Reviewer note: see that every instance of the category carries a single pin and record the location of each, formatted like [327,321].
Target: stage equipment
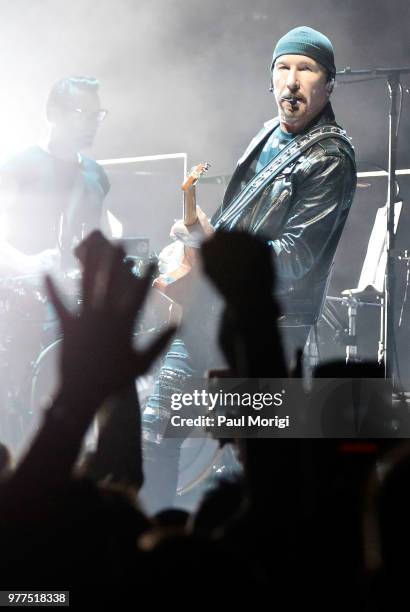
[392,76]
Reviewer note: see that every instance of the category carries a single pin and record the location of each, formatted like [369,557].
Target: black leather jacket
[302,214]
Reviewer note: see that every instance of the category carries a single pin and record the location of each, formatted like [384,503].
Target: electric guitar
[177,260]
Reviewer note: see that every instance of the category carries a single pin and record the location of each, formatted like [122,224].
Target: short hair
[62,91]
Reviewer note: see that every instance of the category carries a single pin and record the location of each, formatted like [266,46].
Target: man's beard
[288,115]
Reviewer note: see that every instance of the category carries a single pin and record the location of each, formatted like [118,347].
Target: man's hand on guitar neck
[192,235]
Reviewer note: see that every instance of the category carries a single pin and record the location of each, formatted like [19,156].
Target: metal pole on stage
[387,350]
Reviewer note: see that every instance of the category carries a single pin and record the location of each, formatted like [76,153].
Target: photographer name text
[224,421]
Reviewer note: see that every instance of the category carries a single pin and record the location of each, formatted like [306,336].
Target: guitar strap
[264,177]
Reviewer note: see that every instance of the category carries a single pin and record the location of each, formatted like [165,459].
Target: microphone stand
[387,344]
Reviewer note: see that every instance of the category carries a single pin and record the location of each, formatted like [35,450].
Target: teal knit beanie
[309,42]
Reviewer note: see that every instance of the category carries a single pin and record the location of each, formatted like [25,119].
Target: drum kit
[29,340]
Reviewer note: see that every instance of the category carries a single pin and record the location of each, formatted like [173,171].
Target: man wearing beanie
[295,183]
[293,186]
[301,207]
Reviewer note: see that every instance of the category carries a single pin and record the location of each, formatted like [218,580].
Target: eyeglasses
[86,115]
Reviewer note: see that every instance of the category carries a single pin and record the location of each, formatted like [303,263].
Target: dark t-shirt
[56,202]
[275,143]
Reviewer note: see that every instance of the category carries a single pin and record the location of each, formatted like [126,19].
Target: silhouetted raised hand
[241,267]
[97,361]
[98,358]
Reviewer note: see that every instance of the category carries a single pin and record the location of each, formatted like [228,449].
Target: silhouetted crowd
[322,523]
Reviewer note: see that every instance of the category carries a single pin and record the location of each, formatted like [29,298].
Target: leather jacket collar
[326,116]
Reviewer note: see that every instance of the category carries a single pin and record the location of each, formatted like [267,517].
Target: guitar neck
[189,206]
[188,187]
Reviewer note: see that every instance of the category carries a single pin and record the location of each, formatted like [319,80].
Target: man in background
[52,195]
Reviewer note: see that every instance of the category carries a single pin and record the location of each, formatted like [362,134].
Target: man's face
[77,122]
[301,90]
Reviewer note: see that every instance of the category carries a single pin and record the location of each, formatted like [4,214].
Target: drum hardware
[138,264]
[405,257]
[210,462]
[23,298]
[352,299]
[136,250]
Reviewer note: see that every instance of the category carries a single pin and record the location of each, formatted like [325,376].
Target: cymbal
[368,295]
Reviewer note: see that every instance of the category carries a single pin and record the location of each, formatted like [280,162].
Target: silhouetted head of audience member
[171,518]
[218,506]
[5,461]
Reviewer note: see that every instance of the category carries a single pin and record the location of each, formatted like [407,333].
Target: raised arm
[97,361]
